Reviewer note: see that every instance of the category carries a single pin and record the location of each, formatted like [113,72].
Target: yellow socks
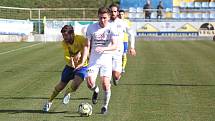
[69,90]
[124,61]
[54,94]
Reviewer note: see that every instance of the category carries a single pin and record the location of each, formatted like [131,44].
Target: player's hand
[99,49]
[79,66]
[77,57]
[72,63]
[132,52]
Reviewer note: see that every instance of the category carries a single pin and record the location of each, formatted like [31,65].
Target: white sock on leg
[107,95]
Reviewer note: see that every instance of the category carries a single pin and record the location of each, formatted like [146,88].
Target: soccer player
[76,51]
[102,40]
[122,27]
[125,40]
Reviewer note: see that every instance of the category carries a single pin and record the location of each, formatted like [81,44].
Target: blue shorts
[125,47]
[69,73]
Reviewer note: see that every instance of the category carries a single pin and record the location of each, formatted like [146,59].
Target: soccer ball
[85,109]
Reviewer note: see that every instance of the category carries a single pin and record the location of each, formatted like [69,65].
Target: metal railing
[49,13]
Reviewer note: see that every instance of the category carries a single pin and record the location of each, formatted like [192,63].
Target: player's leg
[65,78]
[80,75]
[55,92]
[117,68]
[107,93]
[105,74]
[72,88]
[124,62]
[91,81]
[124,56]
[58,88]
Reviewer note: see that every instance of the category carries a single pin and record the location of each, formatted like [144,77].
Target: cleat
[115,82]
[104,110]
[95,97]
[47,106]
[66,98]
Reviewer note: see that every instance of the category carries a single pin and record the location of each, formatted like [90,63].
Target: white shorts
[117,62]
[100,64]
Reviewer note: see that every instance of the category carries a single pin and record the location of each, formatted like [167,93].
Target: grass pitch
[166,81]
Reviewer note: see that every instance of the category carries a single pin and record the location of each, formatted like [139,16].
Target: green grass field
[166,81]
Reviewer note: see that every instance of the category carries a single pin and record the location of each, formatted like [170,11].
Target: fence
[50,13]
[37,15]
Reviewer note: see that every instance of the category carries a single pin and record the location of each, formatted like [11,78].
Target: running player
[75,53]
[125,40]
[122,27]
[102,40]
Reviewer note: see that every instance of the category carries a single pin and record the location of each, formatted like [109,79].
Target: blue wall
[125,4]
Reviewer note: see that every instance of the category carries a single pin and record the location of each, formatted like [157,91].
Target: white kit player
[102,40]
[121,27]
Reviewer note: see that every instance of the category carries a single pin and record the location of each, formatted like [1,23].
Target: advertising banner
[15,27]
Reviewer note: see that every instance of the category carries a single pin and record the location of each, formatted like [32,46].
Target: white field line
[2,53]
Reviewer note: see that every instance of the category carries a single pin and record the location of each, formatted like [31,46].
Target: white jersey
[121,27]
[100,37]
[124,27]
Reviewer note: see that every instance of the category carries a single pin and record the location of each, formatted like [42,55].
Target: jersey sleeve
[131,34]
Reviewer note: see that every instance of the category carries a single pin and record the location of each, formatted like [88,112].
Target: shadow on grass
[73,116]
[21,98]
[29,111]
[77,115]
[176,85]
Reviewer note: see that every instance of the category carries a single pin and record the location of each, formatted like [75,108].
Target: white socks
[96,89]
[107,95]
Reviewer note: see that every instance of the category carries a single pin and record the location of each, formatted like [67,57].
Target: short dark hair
[114,5]
[122,11]
[103,10]
[67,29]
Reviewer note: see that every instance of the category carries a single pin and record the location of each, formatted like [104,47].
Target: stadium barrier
[174,28]
[37,15]
[44,28]
[173,38]
[15,27]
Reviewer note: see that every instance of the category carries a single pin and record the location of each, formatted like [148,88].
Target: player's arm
[84,53]
[66,54]
[132,41]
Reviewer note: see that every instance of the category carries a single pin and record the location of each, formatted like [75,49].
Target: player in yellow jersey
[125,41]
[76,51]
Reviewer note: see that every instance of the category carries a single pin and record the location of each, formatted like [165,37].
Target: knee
[106,85]
[116,75]
[76,83]
[59,87]
[89,86]
[89,83]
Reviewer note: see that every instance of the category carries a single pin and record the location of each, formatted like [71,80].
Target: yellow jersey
[71,50]
[129,24]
